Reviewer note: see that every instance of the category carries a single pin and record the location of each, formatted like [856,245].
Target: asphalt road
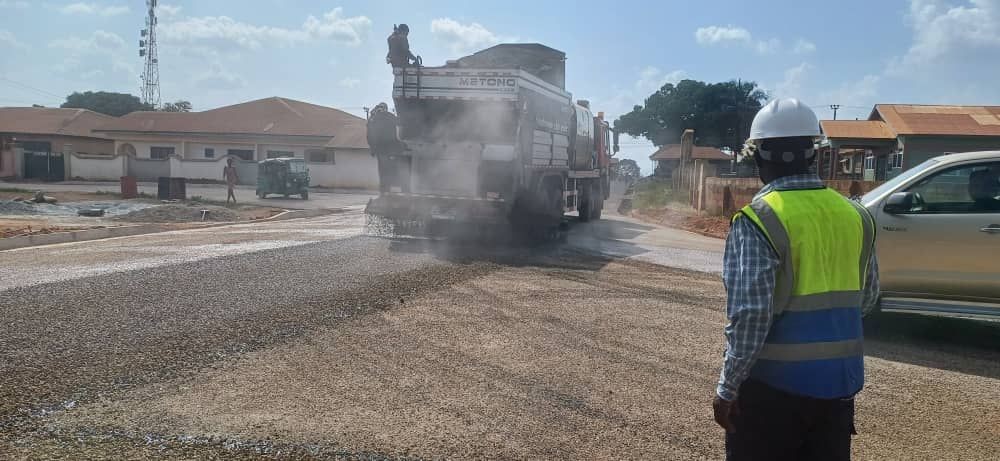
[309,339]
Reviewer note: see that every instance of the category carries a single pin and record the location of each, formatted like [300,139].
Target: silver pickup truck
[938,236]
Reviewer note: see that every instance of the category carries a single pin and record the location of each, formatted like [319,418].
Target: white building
[196,145]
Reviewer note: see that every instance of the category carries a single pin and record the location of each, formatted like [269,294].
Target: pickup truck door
[948,245]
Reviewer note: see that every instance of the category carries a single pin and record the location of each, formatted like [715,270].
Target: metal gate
[40,163]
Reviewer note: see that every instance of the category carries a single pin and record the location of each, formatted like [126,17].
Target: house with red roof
[897,137]
[196,145]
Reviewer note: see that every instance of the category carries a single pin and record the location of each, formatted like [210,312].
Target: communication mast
[147,49]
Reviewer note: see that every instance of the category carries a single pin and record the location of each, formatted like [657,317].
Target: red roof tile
[940,120]
[856,129]
[51,121]
[270,116]
[673,152]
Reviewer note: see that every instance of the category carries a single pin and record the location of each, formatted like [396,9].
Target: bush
[655,193]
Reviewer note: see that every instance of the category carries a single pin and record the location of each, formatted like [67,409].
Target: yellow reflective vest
[824,242]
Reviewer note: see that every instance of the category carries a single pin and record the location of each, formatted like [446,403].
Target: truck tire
[585,208]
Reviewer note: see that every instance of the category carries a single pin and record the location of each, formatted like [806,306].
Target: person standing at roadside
[232,178]
[799,269]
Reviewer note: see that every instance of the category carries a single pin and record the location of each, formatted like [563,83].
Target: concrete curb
[14,243]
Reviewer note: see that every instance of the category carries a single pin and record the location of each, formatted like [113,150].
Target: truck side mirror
[901,202]
[616,148]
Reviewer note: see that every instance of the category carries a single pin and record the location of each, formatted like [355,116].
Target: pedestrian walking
[799,267]
[232,177]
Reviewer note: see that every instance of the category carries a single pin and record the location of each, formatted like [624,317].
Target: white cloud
[733,35]
[10,41]
[337,28]
[19,4]
[102,53]
[166,10]
[219,79]
[93,8]
[791,86]
[622,99]
[860,93]
[941,32]
[463,38]
[713,35]
[225,30]
[652,79]
[769,46]
[98,42]
[803,46]
[349,82]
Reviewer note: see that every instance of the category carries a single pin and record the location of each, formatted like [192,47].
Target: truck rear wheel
[585,208]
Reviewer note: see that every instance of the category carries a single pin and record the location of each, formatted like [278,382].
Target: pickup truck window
[894,182]
[962,189]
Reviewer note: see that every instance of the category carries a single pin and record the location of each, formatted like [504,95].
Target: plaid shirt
[750,266]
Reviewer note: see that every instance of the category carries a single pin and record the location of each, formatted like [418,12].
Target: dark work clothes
[382,138]
[774,425]
[399,51]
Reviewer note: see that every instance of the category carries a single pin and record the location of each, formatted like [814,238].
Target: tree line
[118,104]
[719,113]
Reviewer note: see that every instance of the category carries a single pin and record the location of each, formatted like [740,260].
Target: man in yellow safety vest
[799,268]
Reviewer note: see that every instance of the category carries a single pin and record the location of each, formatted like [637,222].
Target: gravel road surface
[307,339]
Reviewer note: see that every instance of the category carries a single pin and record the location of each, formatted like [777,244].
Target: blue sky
[853,53]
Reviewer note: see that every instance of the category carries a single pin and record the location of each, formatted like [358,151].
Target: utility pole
[834,107]
[147,49]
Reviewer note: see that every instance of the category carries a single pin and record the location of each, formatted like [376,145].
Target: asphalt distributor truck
[493,141]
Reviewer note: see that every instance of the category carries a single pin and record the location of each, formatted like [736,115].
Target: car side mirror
[900,202]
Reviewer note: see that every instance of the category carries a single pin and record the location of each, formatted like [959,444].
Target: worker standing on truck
[399,48]
[799,266]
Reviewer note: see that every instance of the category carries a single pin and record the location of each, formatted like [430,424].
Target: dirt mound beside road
[182,213]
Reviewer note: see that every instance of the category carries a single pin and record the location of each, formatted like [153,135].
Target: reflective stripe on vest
[824,242]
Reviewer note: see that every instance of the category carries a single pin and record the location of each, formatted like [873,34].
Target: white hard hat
[784,118]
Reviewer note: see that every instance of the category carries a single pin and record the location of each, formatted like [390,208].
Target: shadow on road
[960,345]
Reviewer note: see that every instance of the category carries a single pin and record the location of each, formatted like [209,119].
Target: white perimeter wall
[352,169]
[97,168]
[197,169]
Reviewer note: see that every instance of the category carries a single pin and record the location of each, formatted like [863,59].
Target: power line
[29,87]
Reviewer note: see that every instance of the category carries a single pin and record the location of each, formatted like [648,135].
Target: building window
[320,156]
[209,152]
[280,154]
[870,162]
[160,153]
[896,160]
[244,154]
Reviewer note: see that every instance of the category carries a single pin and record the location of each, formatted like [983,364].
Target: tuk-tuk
[285,176]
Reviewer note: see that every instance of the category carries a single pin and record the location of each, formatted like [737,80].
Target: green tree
[720,113]
[179,106]
[114,104]
[628,169]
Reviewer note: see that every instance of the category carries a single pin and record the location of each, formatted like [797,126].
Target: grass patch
[656,193]
[16,190]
